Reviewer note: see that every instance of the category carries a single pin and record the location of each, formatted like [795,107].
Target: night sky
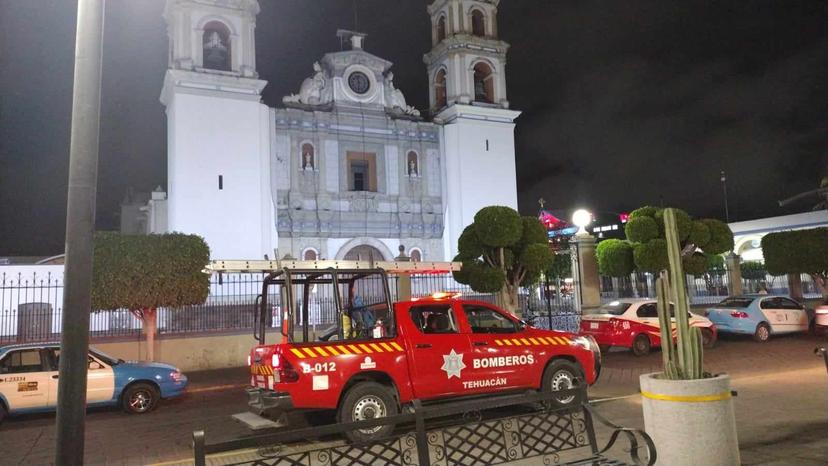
[624,102]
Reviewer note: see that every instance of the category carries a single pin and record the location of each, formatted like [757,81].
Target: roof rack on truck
[393,267]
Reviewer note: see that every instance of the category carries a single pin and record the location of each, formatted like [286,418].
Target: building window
[308,155]
[440,89]
[483,83]
[441,29]
[412,164]
[478,21]
[309,254]
[216,46]
[415,255]
[362,171]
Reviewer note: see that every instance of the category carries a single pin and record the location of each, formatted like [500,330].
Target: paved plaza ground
[781,409]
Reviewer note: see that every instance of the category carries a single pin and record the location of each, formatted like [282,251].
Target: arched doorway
[363,252]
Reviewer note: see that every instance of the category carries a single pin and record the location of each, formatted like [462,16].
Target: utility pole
[80,225]
[724,190]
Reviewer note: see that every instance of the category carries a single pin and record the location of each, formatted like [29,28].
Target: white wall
[212,134]
[476,177]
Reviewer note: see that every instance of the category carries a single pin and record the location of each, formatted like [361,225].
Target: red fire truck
[378,356]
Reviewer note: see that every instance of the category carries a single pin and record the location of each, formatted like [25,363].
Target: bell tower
[218,139]
[467,90]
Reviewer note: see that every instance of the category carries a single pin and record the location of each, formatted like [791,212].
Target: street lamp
[581,218]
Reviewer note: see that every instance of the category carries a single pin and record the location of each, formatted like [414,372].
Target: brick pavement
[781,409]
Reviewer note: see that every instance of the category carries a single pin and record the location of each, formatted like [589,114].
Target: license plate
[593,325]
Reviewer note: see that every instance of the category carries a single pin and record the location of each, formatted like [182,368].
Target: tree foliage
[561,266]
[753,270]
[700,240]
[501,251]
[148,271]
[615,258]
[798,252]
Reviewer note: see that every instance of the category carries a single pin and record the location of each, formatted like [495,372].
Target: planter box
[691,422]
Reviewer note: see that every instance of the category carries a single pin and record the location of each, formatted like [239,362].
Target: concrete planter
[691,422]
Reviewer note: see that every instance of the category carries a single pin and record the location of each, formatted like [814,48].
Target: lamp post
[724,191]
[80,225]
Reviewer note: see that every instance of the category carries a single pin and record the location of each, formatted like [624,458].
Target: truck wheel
[140,398]
[641,345]
[708,340]
[561,375]
[368,400]
[762,333]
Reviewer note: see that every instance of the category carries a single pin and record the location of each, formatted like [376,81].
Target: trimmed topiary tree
[798,252]
[753,270]
[615,258]
[144,272]
[501,251]
[698,240]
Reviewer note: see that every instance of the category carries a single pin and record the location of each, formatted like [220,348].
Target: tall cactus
[682,359]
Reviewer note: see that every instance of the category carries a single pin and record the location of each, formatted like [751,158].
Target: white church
[345,169]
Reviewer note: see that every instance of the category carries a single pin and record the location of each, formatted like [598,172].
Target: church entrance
[363,252]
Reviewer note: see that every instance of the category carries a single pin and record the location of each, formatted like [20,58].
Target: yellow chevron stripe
[321,351]
[387,347]
[365,348]
[498,343]
[550,341]
[297,353]
[343,349]
[534,342]
[508,342]
[332,350]
[396,346]
[525,341]
[354,349]
[562,340]
[376,347]
[309,352]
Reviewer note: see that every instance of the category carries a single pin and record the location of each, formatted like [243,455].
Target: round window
[359,82]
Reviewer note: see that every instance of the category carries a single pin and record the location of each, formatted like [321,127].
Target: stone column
[734,273]
[585,272]
[403,279]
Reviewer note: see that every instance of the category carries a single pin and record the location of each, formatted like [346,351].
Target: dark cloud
[624,103]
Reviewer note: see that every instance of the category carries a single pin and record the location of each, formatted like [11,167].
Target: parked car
[29,380]
[820,320]
[633,323]
[759,315]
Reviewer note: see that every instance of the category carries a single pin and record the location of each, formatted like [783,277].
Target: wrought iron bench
[486,436]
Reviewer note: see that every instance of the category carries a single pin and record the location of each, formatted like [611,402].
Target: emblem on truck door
[453,364]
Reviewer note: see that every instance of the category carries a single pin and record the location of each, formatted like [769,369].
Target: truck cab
[379,356]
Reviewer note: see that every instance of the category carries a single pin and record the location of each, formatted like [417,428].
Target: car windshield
[735,302]
[106,358]
[615,308]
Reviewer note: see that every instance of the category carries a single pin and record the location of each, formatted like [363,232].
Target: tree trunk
[150,317]
[795,286]
[509,298]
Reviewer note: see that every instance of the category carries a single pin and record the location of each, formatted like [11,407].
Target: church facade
[345,168]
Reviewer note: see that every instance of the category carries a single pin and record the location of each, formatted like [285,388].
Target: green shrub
[615,258]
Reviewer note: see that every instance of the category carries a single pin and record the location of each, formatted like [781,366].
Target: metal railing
[482,436]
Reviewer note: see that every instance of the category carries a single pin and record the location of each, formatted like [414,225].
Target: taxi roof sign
[394,267]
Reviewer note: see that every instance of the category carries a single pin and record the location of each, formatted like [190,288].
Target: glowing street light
[581,218]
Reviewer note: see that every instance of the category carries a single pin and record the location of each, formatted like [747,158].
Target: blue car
[29,380]
[759,315]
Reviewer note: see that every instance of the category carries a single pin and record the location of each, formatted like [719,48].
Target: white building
[747,235]
[346,168]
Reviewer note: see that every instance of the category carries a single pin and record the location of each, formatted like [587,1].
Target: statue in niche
[412,167]
[314,90]
[307,158]
[395,99]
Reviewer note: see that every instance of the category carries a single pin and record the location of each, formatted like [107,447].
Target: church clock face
[359,82]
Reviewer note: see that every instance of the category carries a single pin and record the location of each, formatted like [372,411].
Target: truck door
[439,353]
[502,355]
